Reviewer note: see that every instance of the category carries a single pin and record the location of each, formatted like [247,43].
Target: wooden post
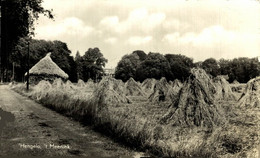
[27,86]
[13,73]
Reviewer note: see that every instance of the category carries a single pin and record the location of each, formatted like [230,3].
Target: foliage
[141,66]
[154,66]
[211,66]
[91,64]
[240,69]
[180,66]
[142,55]
[127,66]
[18,17]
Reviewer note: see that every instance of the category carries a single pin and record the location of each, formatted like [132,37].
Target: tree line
[141,66]
[90,65]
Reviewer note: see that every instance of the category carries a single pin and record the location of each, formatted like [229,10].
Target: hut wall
[35,79]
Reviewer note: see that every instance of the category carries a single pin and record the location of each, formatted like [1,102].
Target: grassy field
[138,123]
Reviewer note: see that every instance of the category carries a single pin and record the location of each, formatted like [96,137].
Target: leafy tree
[180,66]
[211,66]
[18,17]
[141,54]
[240,69]
[154,66]
[224,65]
[243,69]
[126,68]
[93,63]
[78,61]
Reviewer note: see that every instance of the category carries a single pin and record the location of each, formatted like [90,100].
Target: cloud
[70,26]
[210,36]
[172,37]
[137,40]
[111,40]
[215,41]
[110,22]
[138,20]
[198,29]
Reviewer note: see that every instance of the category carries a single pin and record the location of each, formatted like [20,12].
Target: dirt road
[39,131]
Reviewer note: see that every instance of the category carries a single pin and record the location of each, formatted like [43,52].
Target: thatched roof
[47,67]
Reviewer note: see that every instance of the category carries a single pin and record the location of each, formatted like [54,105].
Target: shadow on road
[5,117]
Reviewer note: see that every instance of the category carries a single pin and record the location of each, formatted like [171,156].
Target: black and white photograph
[130,78]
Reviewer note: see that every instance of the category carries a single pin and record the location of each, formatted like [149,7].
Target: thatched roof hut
[46,69]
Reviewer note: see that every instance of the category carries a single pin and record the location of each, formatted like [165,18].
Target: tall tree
[224,65]
[93,63]
[154,66]
[243,69]
[180,66]
[141,54]
[17,19]
[78,60]
[127,66]
[211,66]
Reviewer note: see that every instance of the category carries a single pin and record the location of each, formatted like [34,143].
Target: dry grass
[138,123]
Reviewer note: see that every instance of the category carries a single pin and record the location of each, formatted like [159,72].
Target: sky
[199,29]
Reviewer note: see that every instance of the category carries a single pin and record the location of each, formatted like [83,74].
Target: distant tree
[127,66]
[18,17]
[198,64]
[211,66]
[142,55]
[78,61]
[243,69]
[73,69]
[180,66]
[125,69]
[254,69]
[93,63]
[154,66]
[224,67]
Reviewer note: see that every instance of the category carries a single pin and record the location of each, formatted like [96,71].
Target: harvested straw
[162,91]
[41,89]
[223,89]
[251,95]
[105,93]
[235,82]
[132,88]
[195,105]
[148,85]
[69,86]
[81,83]
[90,84]
[58,83]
